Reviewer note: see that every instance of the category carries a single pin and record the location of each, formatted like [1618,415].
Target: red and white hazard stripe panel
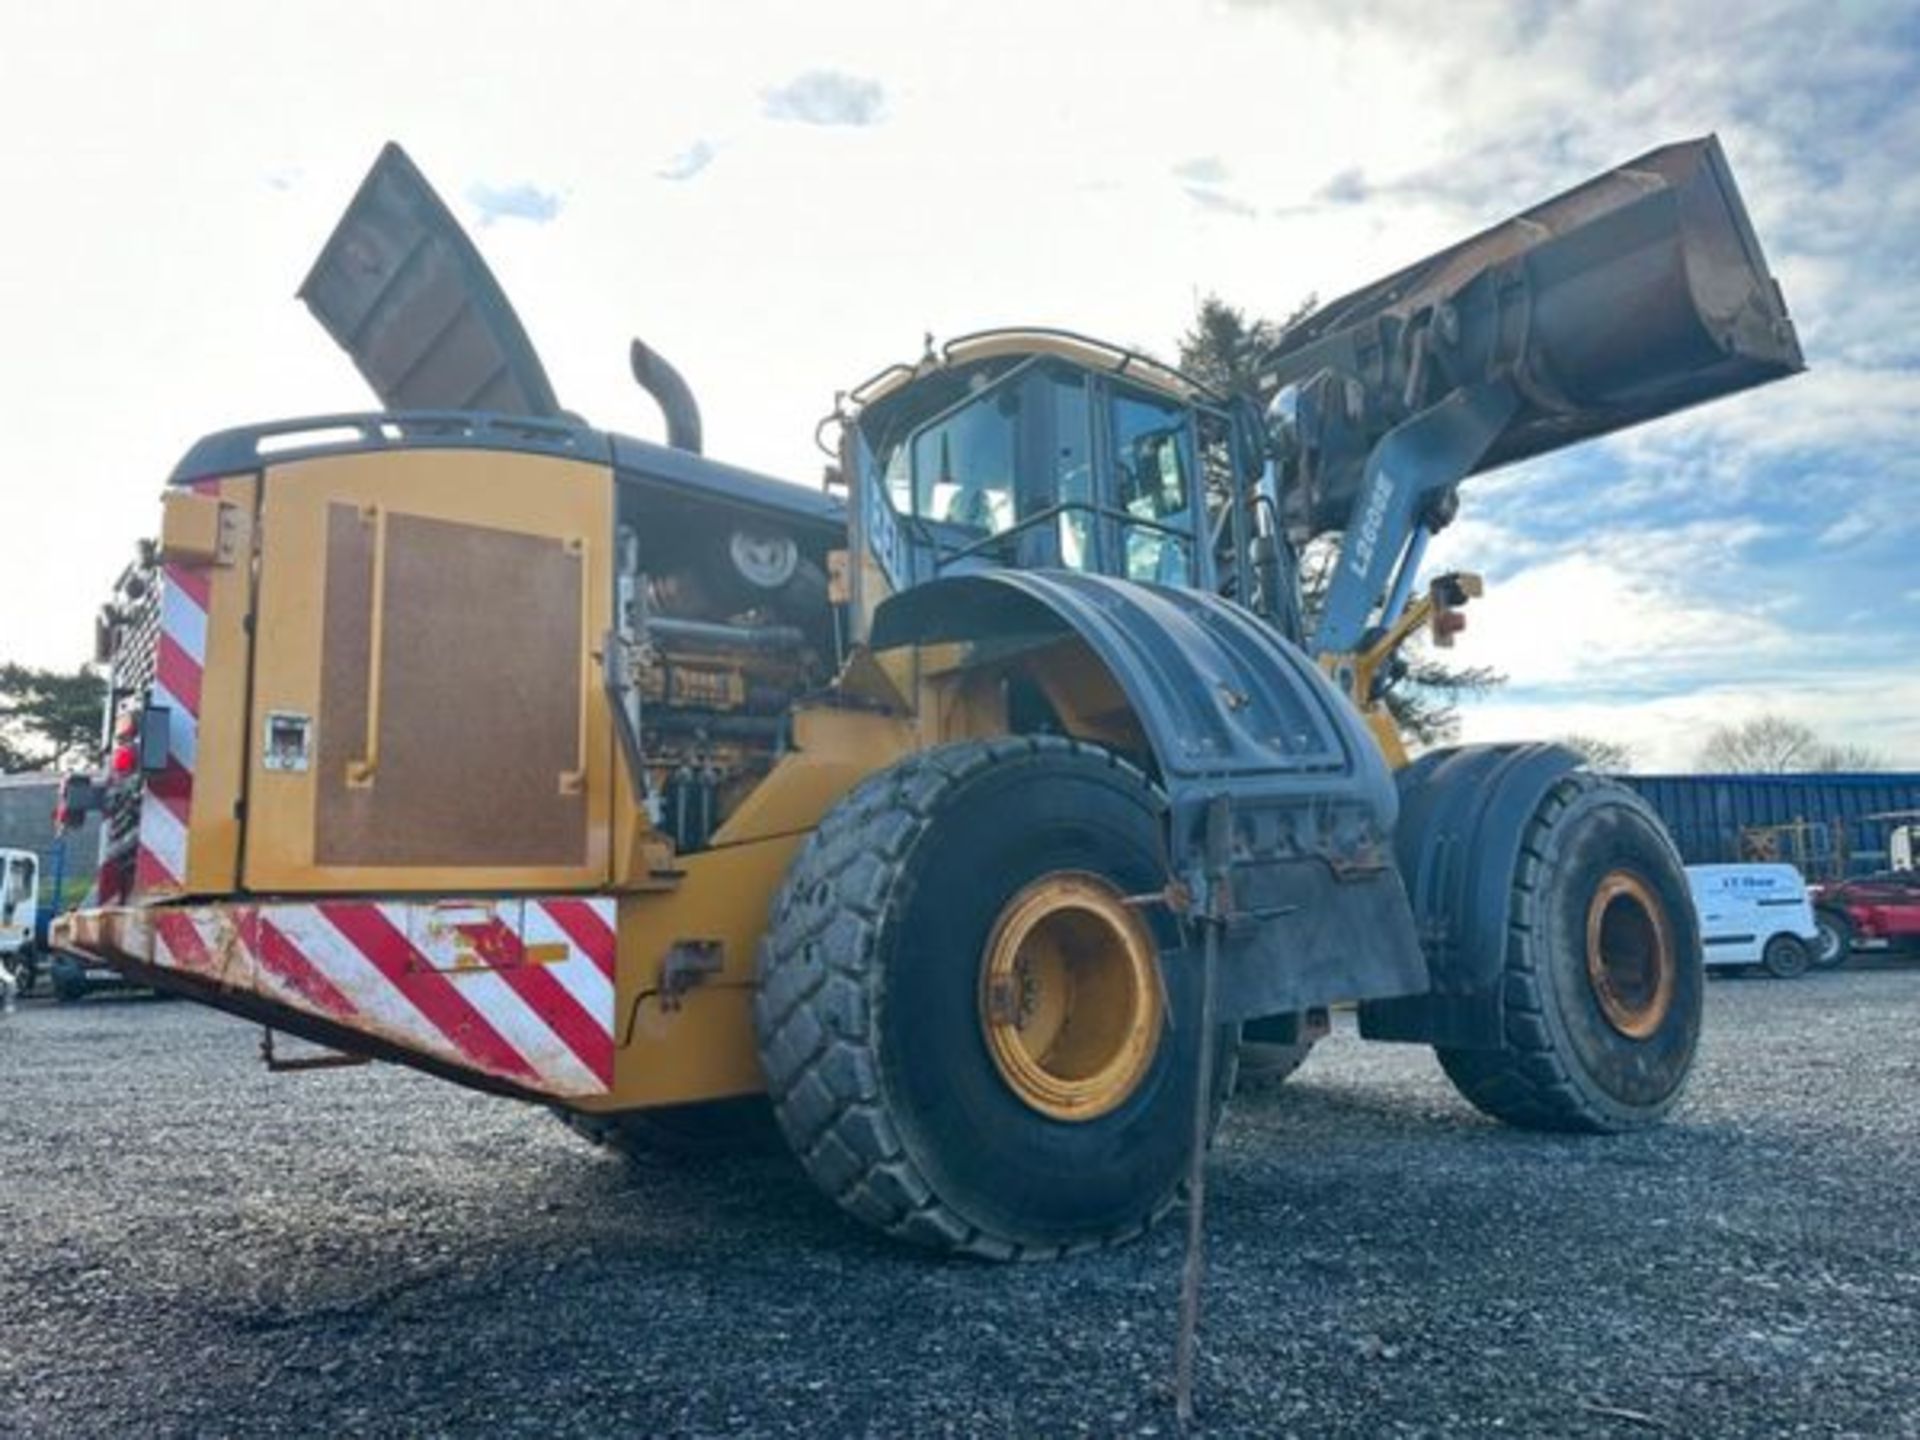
[521,990]
[160,863]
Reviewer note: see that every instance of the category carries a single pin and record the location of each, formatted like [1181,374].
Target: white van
[19,913]
[1754,915]
[19,902]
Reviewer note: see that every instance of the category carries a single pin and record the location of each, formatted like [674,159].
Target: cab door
[425,707]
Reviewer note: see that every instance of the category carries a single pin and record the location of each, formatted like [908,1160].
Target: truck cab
[19,912]
[19,900]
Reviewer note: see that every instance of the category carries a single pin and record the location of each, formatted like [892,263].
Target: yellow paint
[1386,734]
[1356,672]
[833,750]
[191,529]
[960,690]
[568,500]
[1069,1001]
[702,1048]
[961,704]
[360,772]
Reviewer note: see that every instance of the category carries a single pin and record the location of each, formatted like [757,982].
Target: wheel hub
[1630,955]
[1070,1001]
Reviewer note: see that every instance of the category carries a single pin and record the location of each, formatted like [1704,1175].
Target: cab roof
[1022,342]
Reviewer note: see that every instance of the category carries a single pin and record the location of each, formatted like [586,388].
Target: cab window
[18,886]
[963,465]
[1153,471]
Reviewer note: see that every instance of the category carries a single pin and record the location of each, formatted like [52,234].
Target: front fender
[1228,708]
[1226,703]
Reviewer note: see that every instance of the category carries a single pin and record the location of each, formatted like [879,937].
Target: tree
[1772,744]
[1224,349]
[1612,757]
[49,720]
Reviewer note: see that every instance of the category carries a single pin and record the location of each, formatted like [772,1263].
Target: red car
[1874,912]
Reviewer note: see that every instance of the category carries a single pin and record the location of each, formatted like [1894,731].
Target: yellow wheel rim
[1070,1001]
[1630,958]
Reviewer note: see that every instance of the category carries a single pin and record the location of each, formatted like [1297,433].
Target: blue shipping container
[1706,814]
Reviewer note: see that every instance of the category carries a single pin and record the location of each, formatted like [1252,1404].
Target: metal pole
[1213,914]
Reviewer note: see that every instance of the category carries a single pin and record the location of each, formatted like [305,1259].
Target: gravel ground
[190,1245]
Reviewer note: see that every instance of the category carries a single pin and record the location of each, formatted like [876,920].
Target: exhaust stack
[670,390]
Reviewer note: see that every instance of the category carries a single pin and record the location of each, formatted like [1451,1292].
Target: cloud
[689,162]
[1624,614]
[520,201]
[1203,179]
[1878,707]
[1349,187]
[825,97]
[1209,198]
[1202,170]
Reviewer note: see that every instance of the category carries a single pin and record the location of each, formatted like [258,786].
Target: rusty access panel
[425,701]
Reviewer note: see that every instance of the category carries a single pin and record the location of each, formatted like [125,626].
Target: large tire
[875,1028]
[702,1131]
[1603,980]
[1786,957]
[1836,939]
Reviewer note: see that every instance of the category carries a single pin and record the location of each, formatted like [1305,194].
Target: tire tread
[814,998]
[1526,1082]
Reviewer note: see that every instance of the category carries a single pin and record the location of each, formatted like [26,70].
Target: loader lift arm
[1638,293]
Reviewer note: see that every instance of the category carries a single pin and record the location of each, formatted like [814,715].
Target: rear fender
[1225,707]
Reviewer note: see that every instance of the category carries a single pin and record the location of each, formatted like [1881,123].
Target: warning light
[1448,594]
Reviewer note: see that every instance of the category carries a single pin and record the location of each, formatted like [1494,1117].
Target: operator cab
[1041,450]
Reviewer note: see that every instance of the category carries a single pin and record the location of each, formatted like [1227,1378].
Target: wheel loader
[967,812]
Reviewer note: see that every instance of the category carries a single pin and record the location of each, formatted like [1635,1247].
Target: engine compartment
[725,620]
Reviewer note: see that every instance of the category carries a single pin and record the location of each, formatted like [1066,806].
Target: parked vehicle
[19,918]
[1754,915]
[74,976]
[1877,912]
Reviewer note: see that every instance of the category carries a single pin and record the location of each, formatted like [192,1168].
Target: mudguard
[1463,817]
[1232,709]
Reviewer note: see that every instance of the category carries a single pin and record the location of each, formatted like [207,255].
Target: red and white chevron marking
[521,990]
[160,861]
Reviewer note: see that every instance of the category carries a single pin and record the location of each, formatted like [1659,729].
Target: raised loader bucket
[1638,293]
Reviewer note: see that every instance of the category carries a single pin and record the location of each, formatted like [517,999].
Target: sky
[783,199]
